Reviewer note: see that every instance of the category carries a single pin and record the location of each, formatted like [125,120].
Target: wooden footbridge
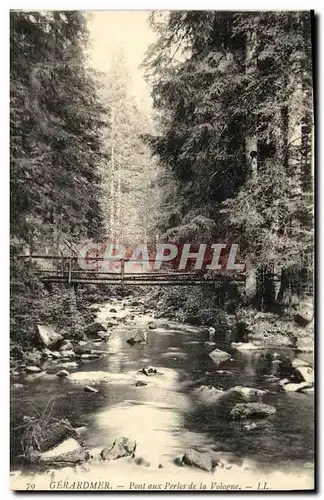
[66,269]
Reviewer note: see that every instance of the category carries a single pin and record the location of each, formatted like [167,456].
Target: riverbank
[68,312]
[264,329]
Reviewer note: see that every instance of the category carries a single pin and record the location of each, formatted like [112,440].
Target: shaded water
[165,417]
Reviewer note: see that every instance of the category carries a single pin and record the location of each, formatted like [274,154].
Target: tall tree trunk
[112,180]
[251,150]
[118,204]
[112,195]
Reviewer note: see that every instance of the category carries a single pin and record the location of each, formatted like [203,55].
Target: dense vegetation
[233,92]
[129,172]
[56,120]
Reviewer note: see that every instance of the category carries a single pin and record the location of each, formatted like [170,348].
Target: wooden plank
[129,282]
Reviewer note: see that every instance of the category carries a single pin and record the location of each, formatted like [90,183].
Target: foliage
[55,121]
[56,147]
[128,171]
[220,80]
[265,218]
[43,431]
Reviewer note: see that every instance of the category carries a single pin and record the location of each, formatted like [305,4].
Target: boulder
[305,344]
[88,388]
[138,338]
[98,352]
[208,394]
[81,430]
[283,382]
[122,447]
[104,336]
[90,356]
[139,383]
[304,374]
[256,425]
[304,315]
[111,322]
[94,308]
[113,310]
[285,369]
[152,326]
[296,387]
[309,390]
[33,369]
[178,461]
[211,330]
[81,349]
[67,346]
[243,346]
[149,371]
[219,356]
[247,392]
[56,433]
[68,452]
[17,386]
[194,458]
[47,353]
[142,461]
[250,427]
[296,363]
[48,337]
[92,329]
[251,410]
[271,378]
[68,354]
[69,365]
[135,303]
[62,373]
[56,355]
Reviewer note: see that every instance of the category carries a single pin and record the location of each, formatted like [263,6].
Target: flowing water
[165,417]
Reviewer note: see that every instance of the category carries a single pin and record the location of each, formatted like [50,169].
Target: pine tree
[56,119]
[128,170]
[55,123]
[232,92]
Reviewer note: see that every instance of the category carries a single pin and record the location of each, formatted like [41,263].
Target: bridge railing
[63,268]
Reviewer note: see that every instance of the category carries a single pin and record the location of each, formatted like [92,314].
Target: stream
[165,417]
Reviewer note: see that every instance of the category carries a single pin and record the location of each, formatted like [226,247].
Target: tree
[232,91]
[55,151]
[55,121]
[128,170]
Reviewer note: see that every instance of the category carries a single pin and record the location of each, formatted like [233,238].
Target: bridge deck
[65,269]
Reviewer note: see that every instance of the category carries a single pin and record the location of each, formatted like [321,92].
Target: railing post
[122,269]
[70,269]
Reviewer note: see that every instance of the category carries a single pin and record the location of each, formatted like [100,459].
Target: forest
[227,153]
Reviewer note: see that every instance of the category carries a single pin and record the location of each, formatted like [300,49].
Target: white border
[160,5]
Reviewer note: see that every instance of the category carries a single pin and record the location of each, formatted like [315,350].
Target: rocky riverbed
[148,398]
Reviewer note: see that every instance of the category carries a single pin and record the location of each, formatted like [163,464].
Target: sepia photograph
[162,170]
